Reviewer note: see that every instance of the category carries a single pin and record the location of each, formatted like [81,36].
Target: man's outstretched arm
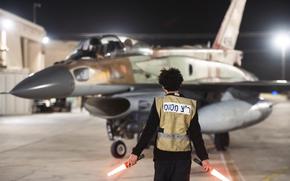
[146,136]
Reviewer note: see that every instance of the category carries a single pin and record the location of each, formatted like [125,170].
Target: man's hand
[132,160]
[206,165]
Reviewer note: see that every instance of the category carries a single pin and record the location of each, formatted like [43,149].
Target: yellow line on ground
[276,173]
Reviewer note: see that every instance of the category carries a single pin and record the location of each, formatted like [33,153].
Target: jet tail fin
[229,30]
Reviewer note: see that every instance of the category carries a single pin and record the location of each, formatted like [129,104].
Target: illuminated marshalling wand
[213,172]
[122,167]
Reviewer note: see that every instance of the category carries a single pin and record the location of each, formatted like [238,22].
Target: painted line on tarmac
[276,173]
[225,163]
[232,167]
[229,164]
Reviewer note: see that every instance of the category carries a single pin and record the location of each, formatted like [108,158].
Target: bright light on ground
[282,40]
[7,24]
[45,40]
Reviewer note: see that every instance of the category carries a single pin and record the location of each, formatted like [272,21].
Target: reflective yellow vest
[175,115]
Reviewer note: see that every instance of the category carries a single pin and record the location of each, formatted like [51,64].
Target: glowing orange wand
[122,167]
[213,172]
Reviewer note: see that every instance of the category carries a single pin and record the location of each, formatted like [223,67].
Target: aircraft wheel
[221,141]
[118,149]
[227,139]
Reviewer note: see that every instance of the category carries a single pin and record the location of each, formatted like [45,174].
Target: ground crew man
[176,121]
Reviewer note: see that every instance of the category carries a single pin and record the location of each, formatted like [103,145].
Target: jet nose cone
[55,81]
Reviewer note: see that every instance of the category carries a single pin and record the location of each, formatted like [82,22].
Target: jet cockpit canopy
[98,47]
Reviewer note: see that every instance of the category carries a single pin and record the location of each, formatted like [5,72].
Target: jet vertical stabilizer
[229,30]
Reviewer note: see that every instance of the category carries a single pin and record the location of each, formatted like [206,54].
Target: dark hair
[170,79]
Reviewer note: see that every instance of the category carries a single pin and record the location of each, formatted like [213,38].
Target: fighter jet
[119,83]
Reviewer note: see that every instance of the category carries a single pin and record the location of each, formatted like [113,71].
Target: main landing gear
[222,141]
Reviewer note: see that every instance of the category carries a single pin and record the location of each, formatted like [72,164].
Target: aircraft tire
[227,139]
[221,141]
[118,149]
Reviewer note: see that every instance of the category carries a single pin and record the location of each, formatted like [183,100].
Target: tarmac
[75,147]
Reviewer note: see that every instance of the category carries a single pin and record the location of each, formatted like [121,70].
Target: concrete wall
[57,50]
[21,53]
[11,105]
[21,42]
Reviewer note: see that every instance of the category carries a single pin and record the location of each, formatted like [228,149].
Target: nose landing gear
[118,149]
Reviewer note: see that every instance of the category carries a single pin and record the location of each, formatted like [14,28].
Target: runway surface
[75,147]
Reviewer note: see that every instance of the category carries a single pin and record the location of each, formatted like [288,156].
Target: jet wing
[257,86]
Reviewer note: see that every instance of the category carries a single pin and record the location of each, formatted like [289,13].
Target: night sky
[262,18]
